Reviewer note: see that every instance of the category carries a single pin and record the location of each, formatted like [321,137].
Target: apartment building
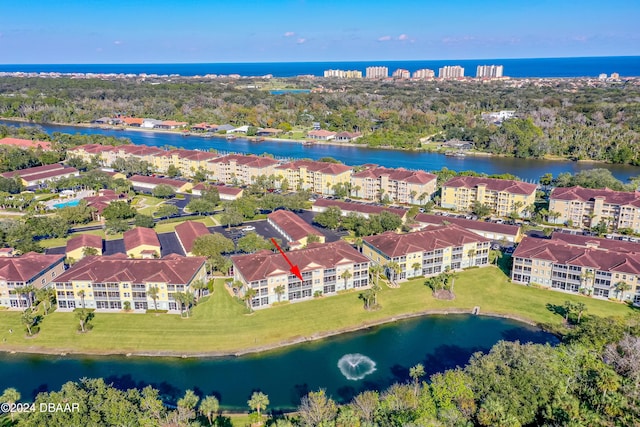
[427,252]
[587,207]
[318,177]
[401,73]
[400,185]
[325,268]
[39,176]
[503,196]
[451,72]
[489,71]
[77,246]
[149,183]
[188,232]
[239,169]
[424,73]
[105,283]
[490,230]
[377,72]
[33,269]
[361,209]
[575,263]
[188,162]
[293,228]
[343,74]
[141,242]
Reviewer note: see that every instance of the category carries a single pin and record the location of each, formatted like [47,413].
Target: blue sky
[95,31]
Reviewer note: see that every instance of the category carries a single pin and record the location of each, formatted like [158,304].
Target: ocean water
[527,67]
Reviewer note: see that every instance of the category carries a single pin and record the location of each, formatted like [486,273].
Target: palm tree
[346,275]
[620,288]
[81,294]
[416,372]
[587,278]
[449,278]
[84,316]
[180,298]
[153,293]
[42,296]
[374,271]
[189,299]
[416,267]
[10,396]
[279,290]
[28,320]
[412,196]
[394,268]
[209,406]
[580,307]
[375,288]
[199,285]
[258,402]
[187,405]
[494,256]
[471,253]
[248,296]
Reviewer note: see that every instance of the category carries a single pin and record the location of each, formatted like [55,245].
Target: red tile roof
[84,241]
[265,263]
[469,224]
[173,269]
[188,232]
[427,240]
[34,171]
[561,252]
[25,143]
[24,268]
[500,185]
[140,236]
[358,207]
[396,174]
[154,180]
[249,160]
[132,120]
[322,167]
[292,224]
[321,133]
[608,244]
[582,194]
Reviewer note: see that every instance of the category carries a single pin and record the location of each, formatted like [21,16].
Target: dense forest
[567,118]
[590,379]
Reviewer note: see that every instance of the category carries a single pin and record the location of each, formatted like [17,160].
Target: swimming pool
[67,204]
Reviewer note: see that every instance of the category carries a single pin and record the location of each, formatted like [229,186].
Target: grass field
[220,323]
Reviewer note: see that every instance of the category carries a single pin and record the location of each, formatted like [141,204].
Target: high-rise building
[401,73]
[425,73]
[489,71]
[451,72]
[342,74]
[377,72]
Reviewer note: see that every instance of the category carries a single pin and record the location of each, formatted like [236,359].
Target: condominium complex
[39,176]
[573,263]
[294,229]
[343,74]
[451,72]
[108,282]
[399,185]
[377,72]
[240,169]
[587,207]
[489,71]
[401,73]
[492,231]
[30,269]
[427,252]
[425,73]
[326,269]
[502,196]
[318,177]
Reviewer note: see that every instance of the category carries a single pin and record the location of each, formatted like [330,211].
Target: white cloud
[301,40]
[117,42]
[289,34]
[384,38]
[403,37]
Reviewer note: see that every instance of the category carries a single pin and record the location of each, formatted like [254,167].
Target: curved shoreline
[261,349]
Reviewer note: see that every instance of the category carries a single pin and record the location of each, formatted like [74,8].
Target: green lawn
[146,205]
[219,323]
[62,241]
[170,226]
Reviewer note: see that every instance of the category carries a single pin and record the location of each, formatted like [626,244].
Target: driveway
[169,244]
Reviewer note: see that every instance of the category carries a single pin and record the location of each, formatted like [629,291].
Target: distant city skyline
[192,31]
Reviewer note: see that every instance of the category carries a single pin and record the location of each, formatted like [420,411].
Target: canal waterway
[344,365]
[527,169]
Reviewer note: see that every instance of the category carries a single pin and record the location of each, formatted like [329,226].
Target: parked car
[248,228]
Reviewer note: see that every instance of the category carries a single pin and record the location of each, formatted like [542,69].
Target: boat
[231,137]
[186,133]
[308,142]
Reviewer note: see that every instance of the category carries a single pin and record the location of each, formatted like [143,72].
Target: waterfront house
[188,232]
[427,252]
[269,132]
[107,283]
[502,196]
[325,269]
[141,242]
[170,124]
[574,263]
[398,184]
[77,246]
[33,269]
[321,135]
[347,136]
[317,177]
[294,229]
[587,207]
[490,230]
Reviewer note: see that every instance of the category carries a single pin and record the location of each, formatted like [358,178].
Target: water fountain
[356,366]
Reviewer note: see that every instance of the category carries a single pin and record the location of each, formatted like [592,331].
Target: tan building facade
[399,185]
[317,177]
[30,269]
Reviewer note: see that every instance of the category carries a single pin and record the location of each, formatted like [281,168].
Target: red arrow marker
[294,268]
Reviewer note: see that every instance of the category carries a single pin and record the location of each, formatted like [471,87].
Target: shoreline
[260,349]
